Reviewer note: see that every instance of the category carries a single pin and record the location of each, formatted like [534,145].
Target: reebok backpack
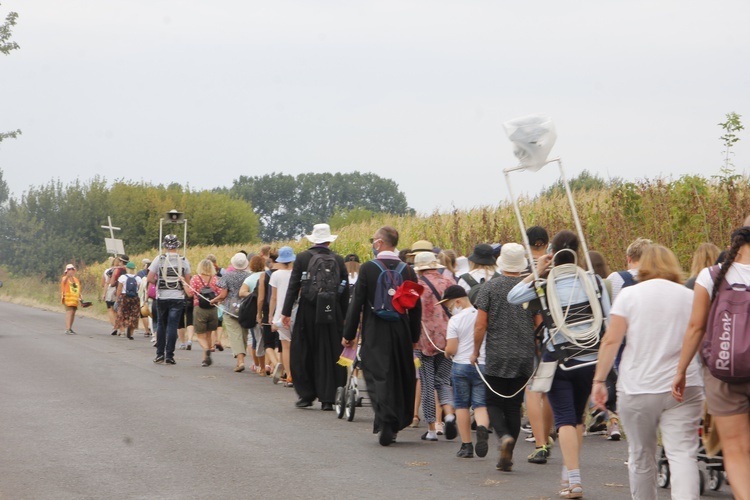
[475,285]
[726,346]
[131,287]
[385,288]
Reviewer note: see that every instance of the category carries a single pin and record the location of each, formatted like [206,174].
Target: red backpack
[726,346]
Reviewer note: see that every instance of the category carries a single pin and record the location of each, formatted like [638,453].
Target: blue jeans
[468,387]
[170,312]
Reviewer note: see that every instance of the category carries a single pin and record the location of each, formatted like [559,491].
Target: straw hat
[426,260]
[421,246]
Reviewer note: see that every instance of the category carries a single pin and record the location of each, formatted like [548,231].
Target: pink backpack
[726,346]
[151,291]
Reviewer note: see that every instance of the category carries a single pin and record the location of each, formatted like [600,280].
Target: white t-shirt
[657,312]
[478,275]
[616,281]
[124,279]
[738,273]
[461,327]
[280,281]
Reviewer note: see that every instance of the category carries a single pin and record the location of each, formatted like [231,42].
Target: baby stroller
[354,394]
[714,464]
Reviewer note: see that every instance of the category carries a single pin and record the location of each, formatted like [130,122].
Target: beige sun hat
[321,233]
[512,258]
[239,261]
[426,260]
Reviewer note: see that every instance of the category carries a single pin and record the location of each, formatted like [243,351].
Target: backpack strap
[436,295]
[627,278]
[469,279]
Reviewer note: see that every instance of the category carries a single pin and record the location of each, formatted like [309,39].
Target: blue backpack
[388,281]
[131,287]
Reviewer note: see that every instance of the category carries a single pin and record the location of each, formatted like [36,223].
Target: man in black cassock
[315,348]
[387,351]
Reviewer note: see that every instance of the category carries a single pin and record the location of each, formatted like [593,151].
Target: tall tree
[4,191]
[6,46]
[289,206]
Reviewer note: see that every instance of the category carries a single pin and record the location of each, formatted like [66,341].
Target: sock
[449,418]
[574,476]
[564,474]
[432,434]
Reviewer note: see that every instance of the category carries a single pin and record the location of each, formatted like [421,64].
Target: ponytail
[740,237]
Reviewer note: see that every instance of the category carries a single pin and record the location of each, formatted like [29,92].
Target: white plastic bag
[533,137]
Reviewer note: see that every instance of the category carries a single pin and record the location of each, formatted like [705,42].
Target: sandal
[415,422]
[219,347]
[572,491]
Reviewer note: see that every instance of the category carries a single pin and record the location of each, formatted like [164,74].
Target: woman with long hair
[728,403]
[705,256]
[653,317]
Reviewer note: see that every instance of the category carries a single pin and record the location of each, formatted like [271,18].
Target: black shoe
[114,332]
[466,451]
[451,429]
[539,455]
[189,346]
[130,337]
[386,436]
[170,361]
[159,359]
[482,437]
[326,406]
[303,403]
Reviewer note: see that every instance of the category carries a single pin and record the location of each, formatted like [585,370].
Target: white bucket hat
[512,258]
[321,233]
[426,260]
[239,261]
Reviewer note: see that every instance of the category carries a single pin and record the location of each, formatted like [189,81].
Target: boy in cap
[468,387]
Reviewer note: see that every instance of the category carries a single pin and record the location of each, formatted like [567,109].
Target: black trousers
[505,413]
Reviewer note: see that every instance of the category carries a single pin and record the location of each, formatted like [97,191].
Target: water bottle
[342,285]
[304,277]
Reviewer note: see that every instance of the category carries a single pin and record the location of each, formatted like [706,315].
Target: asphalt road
[90,416]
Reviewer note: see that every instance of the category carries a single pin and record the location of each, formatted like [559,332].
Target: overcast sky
[417,91]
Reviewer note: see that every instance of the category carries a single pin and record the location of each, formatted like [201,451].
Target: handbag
[543,376]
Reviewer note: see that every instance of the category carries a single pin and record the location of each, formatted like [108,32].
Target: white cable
[481,375]
[430,339]
[583,338]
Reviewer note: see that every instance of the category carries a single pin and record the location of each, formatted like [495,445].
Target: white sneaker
[183,347]
[440,428]
[153,339]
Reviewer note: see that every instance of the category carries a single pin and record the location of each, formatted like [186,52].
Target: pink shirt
[434,319]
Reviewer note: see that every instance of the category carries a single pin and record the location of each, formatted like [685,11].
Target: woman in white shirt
[654,315]
[728,403]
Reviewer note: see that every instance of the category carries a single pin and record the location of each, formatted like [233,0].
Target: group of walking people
[483,334]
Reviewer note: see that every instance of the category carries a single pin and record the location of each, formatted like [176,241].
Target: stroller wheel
[663,475]
[715,479]
[340,401]
[703,482]
[351,404]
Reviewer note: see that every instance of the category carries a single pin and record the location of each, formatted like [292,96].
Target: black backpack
[207,294]
[475,285]
[248,314]
[322,275]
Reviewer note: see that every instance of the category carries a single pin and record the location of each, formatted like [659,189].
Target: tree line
[55,223]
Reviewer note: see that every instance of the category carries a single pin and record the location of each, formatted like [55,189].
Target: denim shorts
[468,387]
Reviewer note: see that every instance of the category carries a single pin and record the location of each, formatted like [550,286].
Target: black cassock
[387,349]
[315,348]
